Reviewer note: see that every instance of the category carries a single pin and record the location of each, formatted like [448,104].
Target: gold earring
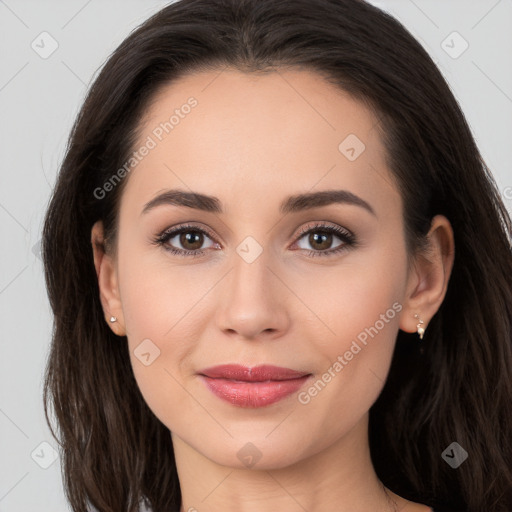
[113,319]
[419,328]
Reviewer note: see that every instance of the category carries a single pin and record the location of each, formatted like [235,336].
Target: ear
[106,273]
[428,279]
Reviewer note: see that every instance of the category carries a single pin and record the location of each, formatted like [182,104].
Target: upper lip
[254,374]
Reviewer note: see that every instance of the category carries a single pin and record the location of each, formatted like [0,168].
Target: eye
[321,236]
[190,238]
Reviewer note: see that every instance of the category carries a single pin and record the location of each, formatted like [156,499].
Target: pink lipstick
[252,387]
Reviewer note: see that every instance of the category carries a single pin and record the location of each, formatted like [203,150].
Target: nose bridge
[250,272]
[252,299]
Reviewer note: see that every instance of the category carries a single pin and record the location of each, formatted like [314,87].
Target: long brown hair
[458,387]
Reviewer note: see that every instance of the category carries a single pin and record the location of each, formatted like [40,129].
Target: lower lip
[253,394]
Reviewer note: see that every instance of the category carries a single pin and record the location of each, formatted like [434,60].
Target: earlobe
[428,281]
[106,273]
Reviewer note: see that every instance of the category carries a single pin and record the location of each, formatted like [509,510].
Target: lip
[252,387]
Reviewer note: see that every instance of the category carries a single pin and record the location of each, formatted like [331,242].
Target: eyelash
[348,239]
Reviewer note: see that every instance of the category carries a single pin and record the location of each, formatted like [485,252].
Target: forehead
[233,134]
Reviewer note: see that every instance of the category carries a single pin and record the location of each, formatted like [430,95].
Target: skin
[252,141]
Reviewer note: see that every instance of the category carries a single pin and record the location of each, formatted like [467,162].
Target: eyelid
[174,230]
[322,225]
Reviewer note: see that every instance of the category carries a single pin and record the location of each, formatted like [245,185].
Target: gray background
[39,98]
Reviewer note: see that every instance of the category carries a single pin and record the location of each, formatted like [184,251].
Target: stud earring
[113,319]
[419,328]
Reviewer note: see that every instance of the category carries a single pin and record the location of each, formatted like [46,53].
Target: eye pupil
[314,238]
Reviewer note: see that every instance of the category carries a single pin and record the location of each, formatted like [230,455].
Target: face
[260,277]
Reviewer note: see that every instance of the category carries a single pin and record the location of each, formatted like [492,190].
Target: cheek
[162,314]
[359,307]
[158,294]
[359,299]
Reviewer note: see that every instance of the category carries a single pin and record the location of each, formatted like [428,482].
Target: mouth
[258,386]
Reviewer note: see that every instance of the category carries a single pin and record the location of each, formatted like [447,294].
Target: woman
[280,273]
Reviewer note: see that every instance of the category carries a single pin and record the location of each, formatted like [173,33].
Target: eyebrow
[291,204]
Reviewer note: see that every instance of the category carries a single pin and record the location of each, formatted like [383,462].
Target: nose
[253,301]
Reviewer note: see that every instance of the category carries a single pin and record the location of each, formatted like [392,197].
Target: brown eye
[321,239]
[191,240]
[185,241]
